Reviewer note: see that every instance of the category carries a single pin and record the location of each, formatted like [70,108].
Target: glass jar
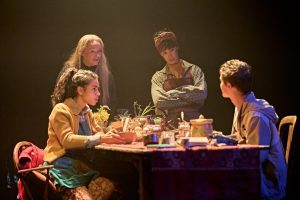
[183,129]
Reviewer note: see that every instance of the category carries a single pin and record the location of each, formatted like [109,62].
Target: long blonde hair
[102,69]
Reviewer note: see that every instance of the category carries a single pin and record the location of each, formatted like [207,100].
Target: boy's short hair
[238,74]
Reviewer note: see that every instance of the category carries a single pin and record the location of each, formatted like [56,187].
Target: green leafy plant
[138,111]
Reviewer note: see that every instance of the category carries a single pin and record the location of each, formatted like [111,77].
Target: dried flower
[102,114]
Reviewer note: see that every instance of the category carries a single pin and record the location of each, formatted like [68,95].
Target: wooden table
[209,172]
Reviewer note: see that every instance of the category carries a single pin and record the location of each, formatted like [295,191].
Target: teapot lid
[201,120]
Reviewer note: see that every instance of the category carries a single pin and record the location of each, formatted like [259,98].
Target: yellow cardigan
[63,129]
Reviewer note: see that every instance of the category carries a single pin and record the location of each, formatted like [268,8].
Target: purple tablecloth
[206,173]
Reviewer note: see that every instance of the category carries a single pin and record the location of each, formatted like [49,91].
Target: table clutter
[154,131]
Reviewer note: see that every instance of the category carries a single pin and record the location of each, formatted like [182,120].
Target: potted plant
[141,115]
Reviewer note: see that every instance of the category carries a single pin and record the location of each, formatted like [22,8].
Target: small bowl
[128,136]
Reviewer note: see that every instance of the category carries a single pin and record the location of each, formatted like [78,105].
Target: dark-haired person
[72,126]
[180,86]
[255,123]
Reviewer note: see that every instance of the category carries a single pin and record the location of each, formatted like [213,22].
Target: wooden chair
[36,182]
[289,121]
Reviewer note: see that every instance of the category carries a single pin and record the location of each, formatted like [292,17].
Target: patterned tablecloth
[206,172]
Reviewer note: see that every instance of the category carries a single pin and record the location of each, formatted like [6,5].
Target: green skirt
[71,173]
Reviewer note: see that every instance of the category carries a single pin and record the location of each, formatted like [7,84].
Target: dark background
[37,37]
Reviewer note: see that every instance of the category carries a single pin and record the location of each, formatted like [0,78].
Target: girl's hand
[111,131]
[112,138]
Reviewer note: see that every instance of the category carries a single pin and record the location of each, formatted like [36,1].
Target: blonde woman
[89,54]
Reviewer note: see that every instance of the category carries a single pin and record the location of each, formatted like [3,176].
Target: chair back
[289,121]
[34,182]
[19,147]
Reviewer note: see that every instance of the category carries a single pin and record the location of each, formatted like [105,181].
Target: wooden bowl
[128,136]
